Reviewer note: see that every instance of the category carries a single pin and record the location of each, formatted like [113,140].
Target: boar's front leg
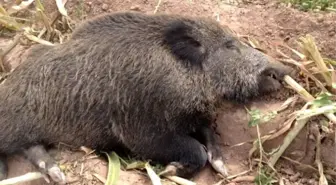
[183,155]
[3,167]
[206,135]
[39,157]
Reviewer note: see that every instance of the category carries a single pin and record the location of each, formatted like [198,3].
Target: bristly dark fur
[146,82]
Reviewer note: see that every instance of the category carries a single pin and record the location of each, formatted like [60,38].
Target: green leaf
[269,116]
[39,5]
[333,85]
[323,99]
[263,178]
[255,117]
[113,169]
[3,11]
[136,165]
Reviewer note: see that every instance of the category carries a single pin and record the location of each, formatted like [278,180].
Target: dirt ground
[266,21]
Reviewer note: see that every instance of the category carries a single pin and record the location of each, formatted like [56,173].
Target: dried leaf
[325,129]
[38,40]
[300,55]
[254,43]
[86,150]
[333,83]
[152,175]
[60,5]
[10,23]
[23,5]
[310,49]
[287,141]
[287,103]
[305,71]
[3,10]
[44,19]
[99,177]
[281,131]
[323,179]
[39,5]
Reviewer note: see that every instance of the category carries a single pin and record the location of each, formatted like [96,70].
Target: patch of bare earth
[268,22]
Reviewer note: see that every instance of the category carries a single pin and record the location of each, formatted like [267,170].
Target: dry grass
[319,74]
[30,20]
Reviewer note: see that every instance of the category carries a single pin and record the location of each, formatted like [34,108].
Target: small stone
[88,176]
[105,7]
[320,19]
[311,181]
[287,171]
[295,177]
[303,180]
[72,178]
[135,8]
[282,33]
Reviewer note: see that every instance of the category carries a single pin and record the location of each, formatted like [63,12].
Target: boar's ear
[181,42]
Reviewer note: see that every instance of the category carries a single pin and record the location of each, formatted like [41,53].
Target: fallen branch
[24,178]
[323,179]
[157,6]
[288,140]
[244,179]
[300,164]
[36,39]
[99,177]
[239,174]
[152,175]
[179,180]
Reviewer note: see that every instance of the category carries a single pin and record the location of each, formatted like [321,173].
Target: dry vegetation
[320,74]
[28,23]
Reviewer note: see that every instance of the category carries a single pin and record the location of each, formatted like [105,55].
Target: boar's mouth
[271,79]
[275,78]
[275,74]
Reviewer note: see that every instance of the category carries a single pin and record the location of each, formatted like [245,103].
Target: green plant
[306,5]
[264,178]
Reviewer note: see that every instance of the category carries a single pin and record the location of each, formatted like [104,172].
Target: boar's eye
[231,46]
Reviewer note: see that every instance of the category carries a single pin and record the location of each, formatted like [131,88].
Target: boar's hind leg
[183,154]
[45,163]
[207,137]
[3,167]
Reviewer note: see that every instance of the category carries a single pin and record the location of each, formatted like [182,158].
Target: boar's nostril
[270,73]
[273,76]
